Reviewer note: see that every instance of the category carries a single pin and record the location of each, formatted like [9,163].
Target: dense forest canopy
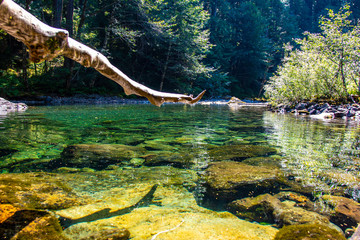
[229,47]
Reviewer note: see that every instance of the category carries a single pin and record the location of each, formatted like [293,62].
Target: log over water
[46,43]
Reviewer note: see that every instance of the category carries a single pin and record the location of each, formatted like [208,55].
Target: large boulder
[240,152]
[97,156]
[229,180]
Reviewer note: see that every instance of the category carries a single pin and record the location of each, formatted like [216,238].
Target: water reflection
[321,155]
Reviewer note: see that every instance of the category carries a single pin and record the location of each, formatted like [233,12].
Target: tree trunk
[57,9]
[46,43]
[69,64]
[82,18]
[165,68]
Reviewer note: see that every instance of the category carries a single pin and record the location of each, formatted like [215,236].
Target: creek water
[320,155]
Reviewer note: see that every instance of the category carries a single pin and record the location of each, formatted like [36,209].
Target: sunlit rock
[239,152]
[308,232]
[7,107]
[345,212]
[173,214]
[230,180]
[267,208]
[18,224]
[37,191]
[106,234]
[260,208]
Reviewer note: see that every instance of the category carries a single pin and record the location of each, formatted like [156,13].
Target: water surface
[321,155]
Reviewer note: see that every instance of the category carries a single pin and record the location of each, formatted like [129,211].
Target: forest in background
[229,47]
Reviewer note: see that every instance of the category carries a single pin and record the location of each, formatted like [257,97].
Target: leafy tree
[325,66]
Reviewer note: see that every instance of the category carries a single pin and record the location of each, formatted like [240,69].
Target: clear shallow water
[307,147]
[321,155]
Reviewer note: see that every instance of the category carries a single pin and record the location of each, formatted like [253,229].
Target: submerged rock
[97,156]
[239,152]
[345,213]
[19,224]
[106,234]
[169,158]
[174,215]
[308,232]
[259,209]
[37,191]
[230,180]
[267,208]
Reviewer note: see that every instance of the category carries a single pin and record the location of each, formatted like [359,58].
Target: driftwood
[45,43]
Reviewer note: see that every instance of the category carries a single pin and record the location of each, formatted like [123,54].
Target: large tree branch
[45,43]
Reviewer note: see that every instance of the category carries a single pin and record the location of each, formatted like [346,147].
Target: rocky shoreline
[350,111]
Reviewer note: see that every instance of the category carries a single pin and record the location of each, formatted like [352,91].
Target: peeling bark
[45,43]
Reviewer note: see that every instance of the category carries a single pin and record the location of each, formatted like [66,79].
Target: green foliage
[324,67]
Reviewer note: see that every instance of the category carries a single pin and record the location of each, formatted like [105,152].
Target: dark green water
[321,154]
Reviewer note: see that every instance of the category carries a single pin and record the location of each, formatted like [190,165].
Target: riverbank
[350,111]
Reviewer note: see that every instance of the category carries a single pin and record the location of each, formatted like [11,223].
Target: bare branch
[45,43]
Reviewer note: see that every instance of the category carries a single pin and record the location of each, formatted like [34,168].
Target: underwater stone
[37,191]
[240,152]
[169,159]
[98,156]
[308,232]
[18,224]
[106,234]
[346,212]
[230,180]
[260,208]
[267,208]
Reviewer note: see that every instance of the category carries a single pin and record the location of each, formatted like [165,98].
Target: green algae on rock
[230,180]
[308,232]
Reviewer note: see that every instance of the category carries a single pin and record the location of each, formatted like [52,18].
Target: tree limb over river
[46,43]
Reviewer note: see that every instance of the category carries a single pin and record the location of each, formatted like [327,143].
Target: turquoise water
[111,156]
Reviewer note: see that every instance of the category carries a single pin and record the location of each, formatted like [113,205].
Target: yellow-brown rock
[37,191]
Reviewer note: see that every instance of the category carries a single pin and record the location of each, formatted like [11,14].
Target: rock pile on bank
[321,110]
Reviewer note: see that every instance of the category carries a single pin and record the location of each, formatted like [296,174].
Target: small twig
[154,237]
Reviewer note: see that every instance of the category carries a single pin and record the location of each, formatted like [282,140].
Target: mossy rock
[97,156]
[240,152]
[308,232]
[166,158]
[229,180]
[272,161]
